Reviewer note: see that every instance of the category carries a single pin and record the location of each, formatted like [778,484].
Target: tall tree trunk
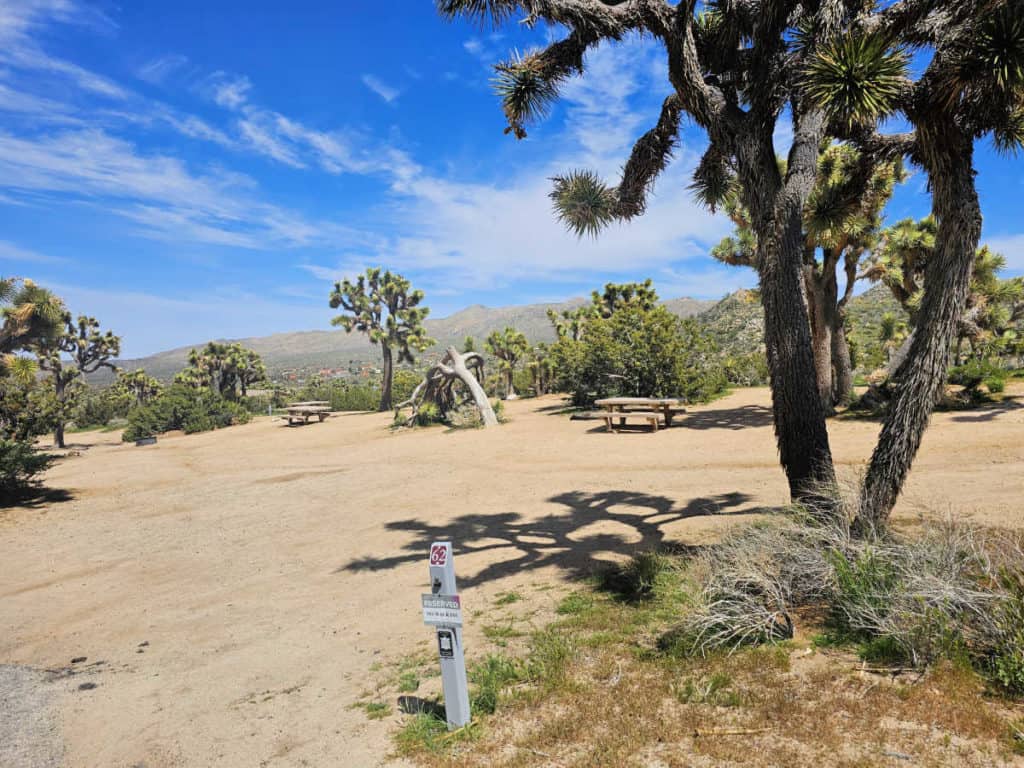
[510,393]
[385,386]
[58,430]
[921,375]
[842,365]
[821,336]
[777,222]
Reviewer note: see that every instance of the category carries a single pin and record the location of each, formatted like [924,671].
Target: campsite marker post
[442,609]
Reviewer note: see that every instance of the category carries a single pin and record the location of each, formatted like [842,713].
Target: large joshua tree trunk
[821,299]
[385,385]
[922,373]
[778,224]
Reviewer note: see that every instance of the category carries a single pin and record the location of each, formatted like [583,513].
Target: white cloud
[11,252]
[157,192]
[262,137]
[230,91]
[382,89]
[158,70]
[172,322]
[18,50]
[1012,247]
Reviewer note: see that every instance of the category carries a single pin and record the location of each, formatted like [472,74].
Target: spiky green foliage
[136,387]
[383,305]
[80,348]
[28,314]
[509,346]
[528,89]
[228,368]
[583,202]
[618,296]
[857,79]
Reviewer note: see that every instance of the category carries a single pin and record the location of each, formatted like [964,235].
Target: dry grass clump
[950,591]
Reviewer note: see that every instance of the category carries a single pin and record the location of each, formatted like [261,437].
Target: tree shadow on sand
[744,417]
[35,497]
[558,540]
[991,411]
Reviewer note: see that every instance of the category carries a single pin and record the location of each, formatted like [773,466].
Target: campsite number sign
[442,609]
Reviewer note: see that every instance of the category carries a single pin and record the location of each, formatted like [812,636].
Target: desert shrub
[651,353]
[636,578]
[952,591]
[976,372]
[98,407]
[403,383]
[28,407]
[748,370]
[465,417]
[1006,664]
[428,414]
[354,397]
[185,408]
[489,677]
[20,463]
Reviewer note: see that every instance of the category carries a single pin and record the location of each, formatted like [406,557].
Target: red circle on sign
[438,555]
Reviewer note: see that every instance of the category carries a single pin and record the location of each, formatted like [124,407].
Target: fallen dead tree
[451,384]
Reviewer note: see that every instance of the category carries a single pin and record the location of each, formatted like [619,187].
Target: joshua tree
[570,322]
[137,386]
[619,295]
[469,344]
[29,315]
[228,368]
[88,349]
[972,87]
[993,305]
[842,221]
[508,346]
[382,306]
[440,387]
[541,366]
[733,68]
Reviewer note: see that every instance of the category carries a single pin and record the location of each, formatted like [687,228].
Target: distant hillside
[313,350]
[737,323]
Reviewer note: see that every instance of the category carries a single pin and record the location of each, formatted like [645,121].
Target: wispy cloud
[158,70]
[11,252]
[382,89]
[231,91]
[1012,247]
[19,21]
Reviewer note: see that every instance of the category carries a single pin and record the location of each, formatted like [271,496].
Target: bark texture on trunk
[385,387]
[921,375]
[777,220]
[510,393]
[58,430]
[842,366]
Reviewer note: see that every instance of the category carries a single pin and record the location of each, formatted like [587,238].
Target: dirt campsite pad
[225,599]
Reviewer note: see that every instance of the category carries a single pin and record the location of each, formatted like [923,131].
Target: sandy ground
[230,591]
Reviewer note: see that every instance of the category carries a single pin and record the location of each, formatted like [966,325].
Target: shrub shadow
[557,540]
[35,497]
[990,412]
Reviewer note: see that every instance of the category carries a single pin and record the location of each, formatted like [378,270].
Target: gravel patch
[29,725]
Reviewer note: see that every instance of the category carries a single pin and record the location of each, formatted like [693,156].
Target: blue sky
[192,170]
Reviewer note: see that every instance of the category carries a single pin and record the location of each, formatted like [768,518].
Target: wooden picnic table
[649,409]
[301,413]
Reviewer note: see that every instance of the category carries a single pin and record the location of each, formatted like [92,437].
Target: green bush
[1007,662]
[185,408]
[20,463]
[428,414]
[975,372]
[97,408]
[490,677]
[749,370]
[403,383]
[649,353]
[355,397]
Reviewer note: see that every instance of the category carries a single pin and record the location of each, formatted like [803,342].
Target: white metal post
[448,627]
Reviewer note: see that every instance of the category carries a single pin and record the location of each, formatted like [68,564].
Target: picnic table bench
[301,413]
[649,409]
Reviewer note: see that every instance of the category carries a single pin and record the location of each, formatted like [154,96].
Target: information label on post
[442,610]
